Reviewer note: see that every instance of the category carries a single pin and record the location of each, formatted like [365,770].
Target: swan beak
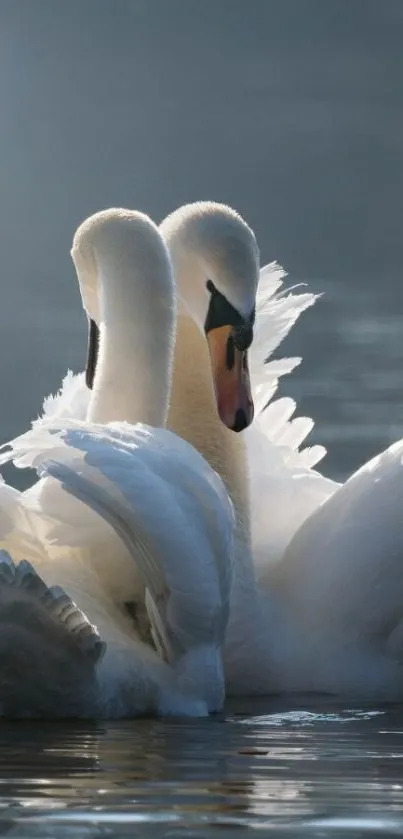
[231,379]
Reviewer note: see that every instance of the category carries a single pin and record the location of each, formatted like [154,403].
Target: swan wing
[172,513]
[157,454]
[341,581]
[345,564]
[285,488]
[276,310]
[48,648]
[276,313]
[75,535]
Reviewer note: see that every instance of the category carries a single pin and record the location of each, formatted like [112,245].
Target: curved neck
[133,374]
[193,416]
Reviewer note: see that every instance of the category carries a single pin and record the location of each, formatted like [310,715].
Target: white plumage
[121,508]
[316,594]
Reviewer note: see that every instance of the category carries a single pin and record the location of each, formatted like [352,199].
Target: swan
[324,610]
[216,262]
[128,493]
[315,600]
[221,292]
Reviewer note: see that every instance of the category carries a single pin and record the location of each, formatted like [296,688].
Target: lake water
[307,768]
[290,110]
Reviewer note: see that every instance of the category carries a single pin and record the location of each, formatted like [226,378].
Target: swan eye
[222,313]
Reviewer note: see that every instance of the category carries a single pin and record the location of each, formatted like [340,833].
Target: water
[290,111]
[307,768]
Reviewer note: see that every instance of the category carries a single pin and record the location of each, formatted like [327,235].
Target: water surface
[290,769]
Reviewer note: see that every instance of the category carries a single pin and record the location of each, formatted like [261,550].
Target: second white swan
[170,510]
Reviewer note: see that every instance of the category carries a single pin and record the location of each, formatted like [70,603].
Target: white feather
[70,402]
[282,477]
[118,507]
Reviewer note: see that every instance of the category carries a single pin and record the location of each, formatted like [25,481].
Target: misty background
[289,111]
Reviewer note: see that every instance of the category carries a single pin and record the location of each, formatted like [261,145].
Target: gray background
[290,111]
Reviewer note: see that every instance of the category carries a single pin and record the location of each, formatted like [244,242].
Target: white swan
[320,619]
[216,261]
[328,615]
[169,508]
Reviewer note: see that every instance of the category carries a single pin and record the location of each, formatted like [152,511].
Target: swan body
[132,508]
[211,242]
[345,594]
[315,603]
[114,469]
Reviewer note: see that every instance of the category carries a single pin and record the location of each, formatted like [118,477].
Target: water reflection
[310,768]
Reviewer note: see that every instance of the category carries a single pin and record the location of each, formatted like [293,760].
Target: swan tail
[48,648]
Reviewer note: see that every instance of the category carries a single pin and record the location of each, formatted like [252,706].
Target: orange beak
[231,379]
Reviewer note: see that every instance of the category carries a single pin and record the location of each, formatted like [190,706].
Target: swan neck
[193,416]
[132,379]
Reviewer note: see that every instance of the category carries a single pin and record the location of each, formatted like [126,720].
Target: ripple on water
[306,769]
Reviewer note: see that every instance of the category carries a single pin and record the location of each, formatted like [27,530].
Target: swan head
[216,263]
